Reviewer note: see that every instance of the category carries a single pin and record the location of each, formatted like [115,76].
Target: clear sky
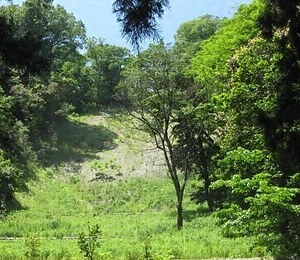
[100,22]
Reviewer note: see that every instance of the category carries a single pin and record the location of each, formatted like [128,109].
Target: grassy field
[99,171]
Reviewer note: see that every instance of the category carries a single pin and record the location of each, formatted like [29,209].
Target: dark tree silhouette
[281,135]
[138,18]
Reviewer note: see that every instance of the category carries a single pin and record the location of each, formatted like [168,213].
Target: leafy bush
[8,180]
[33,244]
[270,214]
[89,244]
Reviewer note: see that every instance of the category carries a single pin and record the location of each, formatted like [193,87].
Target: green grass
[57,210]
[133,213]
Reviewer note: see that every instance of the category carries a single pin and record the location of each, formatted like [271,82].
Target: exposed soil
[134,155]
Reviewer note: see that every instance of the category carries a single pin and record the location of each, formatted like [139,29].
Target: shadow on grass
[201,211]
[76,142]
[13,205]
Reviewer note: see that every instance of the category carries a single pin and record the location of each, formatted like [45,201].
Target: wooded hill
[222,104]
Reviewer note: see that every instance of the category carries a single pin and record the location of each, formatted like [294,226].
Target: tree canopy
[222,104]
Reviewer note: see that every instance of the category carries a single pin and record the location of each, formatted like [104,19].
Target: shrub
[89,244]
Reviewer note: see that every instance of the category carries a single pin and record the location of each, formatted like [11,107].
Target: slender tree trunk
[179,194]
[173,173]
[205,175]
[179,214]
[209,199]
[98,95]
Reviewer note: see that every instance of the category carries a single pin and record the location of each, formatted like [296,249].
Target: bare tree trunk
[209,199]
[205,175]
[179,213]
[179,189]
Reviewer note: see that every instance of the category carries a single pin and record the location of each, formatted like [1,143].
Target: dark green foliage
[281,22]
[74,91]
[59,32]
[138,18]
[14,48]
[279,14]
[281,130]
[16,154]
[260,148]
[48,37]
[195,144]
[106,63]
[35,38]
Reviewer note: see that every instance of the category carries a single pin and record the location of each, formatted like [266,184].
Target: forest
[221,106]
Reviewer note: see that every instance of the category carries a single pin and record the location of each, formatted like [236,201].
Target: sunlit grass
[130,211]
[56,211]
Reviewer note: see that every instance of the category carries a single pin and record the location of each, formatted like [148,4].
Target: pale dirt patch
[135,154]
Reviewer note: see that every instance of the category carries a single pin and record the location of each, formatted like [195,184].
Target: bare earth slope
[104,146]
[134,153]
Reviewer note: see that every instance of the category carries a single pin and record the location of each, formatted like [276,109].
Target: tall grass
[58,209]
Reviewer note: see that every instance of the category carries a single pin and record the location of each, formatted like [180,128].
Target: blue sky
[100,22]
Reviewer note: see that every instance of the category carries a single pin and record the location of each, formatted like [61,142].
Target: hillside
[100,170]
[108,145]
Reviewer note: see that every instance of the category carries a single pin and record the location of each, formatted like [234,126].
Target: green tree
[60,34]
[280,21]
[58,37]
[209,66]
[193,133]
[191,34]
[153,93]
[33,43]
[15,50]
[106,63]
[16,155]
[196,128]
[74,79]
[255,178]
[209,70]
